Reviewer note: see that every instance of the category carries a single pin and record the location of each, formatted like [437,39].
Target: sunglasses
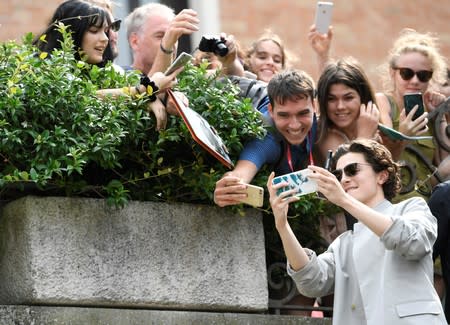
[115,25]
[408,74]
[349,170]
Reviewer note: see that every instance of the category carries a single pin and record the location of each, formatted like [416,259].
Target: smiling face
[293,119]
[417,62]
[266,60]
[366,184]
[343,106]
[94,42]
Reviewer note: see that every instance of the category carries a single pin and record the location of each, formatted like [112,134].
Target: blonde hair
[268,35]
[412,41]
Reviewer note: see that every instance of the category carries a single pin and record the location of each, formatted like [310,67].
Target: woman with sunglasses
[382,271]
[414,65]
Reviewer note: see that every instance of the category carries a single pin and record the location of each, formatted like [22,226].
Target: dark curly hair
[379,157]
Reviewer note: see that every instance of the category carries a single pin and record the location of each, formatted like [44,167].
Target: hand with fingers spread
[411,127]
[369,117]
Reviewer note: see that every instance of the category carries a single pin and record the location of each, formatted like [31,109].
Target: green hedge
[58,138]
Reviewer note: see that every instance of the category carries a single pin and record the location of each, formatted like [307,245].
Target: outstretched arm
[230,189]
[321,44]
[294,251]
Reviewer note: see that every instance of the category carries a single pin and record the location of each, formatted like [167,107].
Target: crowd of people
[380,269]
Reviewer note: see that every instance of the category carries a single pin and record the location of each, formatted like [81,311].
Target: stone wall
[80,252]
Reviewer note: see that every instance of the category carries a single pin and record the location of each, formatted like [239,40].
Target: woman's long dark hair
[79,16]
[346,71]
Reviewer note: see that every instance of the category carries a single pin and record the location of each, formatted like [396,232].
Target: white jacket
[379,280]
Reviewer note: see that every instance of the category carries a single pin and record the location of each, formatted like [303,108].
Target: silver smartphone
[324,10]
[180,61]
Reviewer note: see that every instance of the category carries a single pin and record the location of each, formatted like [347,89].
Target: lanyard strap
[289,154]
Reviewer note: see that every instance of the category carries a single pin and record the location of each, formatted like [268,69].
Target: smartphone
[323,16]
[411,100]
[180,61]
[255,196]
[298,180]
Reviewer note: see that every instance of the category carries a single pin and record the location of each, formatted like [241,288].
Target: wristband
[150,88]
[165,51]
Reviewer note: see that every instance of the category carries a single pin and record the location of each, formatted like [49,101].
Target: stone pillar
[81,252]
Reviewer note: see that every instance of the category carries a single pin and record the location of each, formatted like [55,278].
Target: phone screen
[411,100]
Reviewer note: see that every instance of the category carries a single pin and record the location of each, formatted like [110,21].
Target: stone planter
[80,252]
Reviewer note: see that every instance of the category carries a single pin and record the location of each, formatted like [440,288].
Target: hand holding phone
[322,20]
[255,196]
[179,62]
[410,101]
[298,180]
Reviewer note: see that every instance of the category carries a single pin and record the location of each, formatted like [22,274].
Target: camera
[214,45]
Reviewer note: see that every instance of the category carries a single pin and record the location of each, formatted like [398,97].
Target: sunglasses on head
[408,74]
[115,25]
[349,170]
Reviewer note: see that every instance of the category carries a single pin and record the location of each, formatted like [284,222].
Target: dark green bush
[57,138]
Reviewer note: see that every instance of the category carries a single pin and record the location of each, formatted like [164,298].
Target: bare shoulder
[385,108]
[333,139]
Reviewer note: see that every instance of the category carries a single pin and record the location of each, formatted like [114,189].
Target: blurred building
[363,29]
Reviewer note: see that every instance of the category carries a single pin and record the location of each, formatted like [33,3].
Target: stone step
[18,315]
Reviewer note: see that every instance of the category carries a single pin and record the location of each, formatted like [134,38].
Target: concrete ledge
[12,315]
[80,252]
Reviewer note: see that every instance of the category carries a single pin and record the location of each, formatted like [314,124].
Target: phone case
[255,196]
[180,61]
[298,180]
[411,100]
[322,21]
[396,135]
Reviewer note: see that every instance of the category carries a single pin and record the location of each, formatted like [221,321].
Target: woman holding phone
[381,272]
[414,64]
